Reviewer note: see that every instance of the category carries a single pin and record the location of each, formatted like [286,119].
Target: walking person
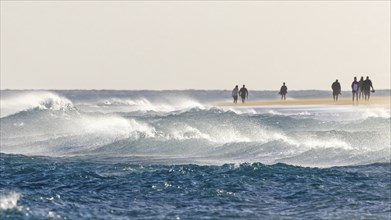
[355,89]
[283,91]
[361,92]
[367,85]
[336,87]
[243,93]
[235,93]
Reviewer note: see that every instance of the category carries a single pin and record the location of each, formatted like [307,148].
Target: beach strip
[374,101]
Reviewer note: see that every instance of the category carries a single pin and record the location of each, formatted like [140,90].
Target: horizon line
[169,89]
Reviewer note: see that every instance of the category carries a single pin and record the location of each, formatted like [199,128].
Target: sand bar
[374,101]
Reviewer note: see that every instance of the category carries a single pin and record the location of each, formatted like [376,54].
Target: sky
[163,45]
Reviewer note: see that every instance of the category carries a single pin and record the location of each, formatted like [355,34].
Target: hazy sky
[193,45]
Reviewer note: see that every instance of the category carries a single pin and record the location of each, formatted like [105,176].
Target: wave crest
[35,100]
[145,105]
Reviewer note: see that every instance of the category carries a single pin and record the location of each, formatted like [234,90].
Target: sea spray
[73,124]
[176,155]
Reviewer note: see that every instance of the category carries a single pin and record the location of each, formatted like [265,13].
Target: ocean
[119,154]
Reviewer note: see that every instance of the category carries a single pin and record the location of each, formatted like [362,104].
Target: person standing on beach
[355,88]
[367,85]
[283,91]
[235,92]
[336,89]
[361,84]
[243,93]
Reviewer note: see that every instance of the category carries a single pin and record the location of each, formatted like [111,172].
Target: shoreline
[384,101]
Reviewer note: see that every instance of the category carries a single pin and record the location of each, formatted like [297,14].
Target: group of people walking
[360,89]
[243,93]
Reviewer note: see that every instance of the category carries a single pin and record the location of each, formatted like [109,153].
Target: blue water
[143,155]
[85,188]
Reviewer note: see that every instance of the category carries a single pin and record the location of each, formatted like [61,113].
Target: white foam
[273,112]
[240,111]
[375,113]
[183,133]
[329,143]
[41,100]
[9,201]
[144,105]
[187,132]
[115,126]
[226,134]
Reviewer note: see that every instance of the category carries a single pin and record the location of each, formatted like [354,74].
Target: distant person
[235,92]
[355,88]
[243,93]
[361,84]
[336,89]
[367,85]
[283,91]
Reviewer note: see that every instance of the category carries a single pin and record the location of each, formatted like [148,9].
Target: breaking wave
[34,100]
[143,104]
[45,123]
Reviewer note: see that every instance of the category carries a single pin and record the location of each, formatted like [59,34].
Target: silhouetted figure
[367,85]
[235,93]
[243,93]
[283,91]
[336,87]
[355,88]
[361,84]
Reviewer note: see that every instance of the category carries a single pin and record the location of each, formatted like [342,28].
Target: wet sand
[374,101]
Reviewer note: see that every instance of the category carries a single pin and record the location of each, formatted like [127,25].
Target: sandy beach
[374,101]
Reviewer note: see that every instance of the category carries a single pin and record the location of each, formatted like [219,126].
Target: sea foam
[9,201]
[73,124]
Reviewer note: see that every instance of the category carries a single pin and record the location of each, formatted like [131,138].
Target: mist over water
[170,125]
[175,154]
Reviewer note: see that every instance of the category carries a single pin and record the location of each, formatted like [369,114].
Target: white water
[50,124]
[33,100]
[9,201]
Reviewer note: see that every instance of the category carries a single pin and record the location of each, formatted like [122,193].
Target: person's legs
[355,94]
[366,95]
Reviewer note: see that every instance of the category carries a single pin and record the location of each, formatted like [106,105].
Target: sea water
[176,155]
